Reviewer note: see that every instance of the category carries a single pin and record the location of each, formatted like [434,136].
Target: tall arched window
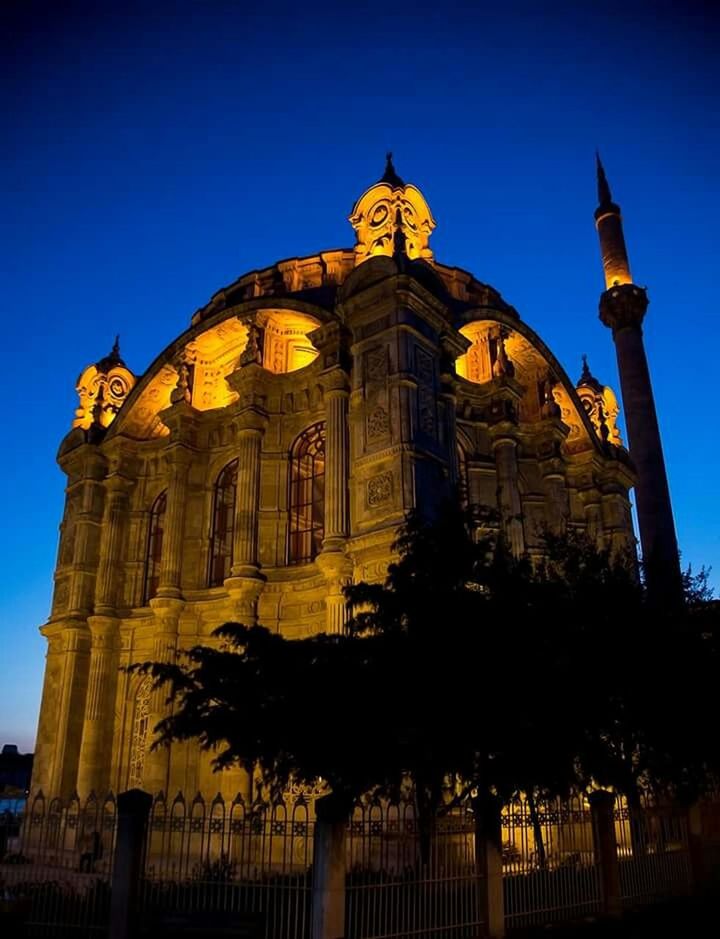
[153,552]
[138,741]
[307,495]
[223,523]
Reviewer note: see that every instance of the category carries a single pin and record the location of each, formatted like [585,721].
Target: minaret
[622,309]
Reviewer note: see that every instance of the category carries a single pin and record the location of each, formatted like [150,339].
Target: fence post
[696,847]
[488,859]
[602,804]
[328,893]
[133,809]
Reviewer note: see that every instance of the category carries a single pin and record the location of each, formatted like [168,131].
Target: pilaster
[114,529]
[181,419]
[99,720]
[250,421]
[85,467]
[167,611]
[62,734]
[503,429]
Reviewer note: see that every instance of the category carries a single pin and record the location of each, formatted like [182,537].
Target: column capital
[335,382]
[250,382]
[250,421]
[181,420]
[104,630]
[504,434]
[167,612]
[623,306]
[83,462]
[332,340]
[335,566]
[118,487]
[178,455]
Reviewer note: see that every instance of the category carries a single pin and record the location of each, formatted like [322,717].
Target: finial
[604,194]
[587,379]
[116,347]
[390,176]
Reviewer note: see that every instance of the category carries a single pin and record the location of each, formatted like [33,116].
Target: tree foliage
[468,665]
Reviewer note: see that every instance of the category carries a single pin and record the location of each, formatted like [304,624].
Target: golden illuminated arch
[534,366]
[285,343]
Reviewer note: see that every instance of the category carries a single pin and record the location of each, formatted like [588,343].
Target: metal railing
[401,882]
[653,853]
[549,867]
[244,867]
[56,865]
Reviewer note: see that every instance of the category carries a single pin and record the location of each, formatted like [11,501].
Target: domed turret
[102,388]
[388,212]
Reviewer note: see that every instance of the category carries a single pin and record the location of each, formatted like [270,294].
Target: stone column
[590,499]
[247,497]
[504,449]
[65,733]
[97,736]
[86,468]
[157,762]
[246,582]
[117,490]
[179,459]
[337,393]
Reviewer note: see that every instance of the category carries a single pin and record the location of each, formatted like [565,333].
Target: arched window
[223,523]
[307,495]
[153,552]
[138,741]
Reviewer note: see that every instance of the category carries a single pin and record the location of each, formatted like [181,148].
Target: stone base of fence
[133,815]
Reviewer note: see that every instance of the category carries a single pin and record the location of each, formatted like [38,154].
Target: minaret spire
[604,194]
[608,222]
[622,309]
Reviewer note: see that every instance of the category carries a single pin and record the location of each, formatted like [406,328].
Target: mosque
[268,455]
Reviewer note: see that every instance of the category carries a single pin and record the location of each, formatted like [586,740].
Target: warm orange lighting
[375,219]
[101,395]
[476,364]
[286,347]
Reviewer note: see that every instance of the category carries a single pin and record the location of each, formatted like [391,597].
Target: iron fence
[56,865]
[244,867]
[653,852]
[550,871]
[402,881]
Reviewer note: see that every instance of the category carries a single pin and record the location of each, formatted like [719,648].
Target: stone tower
[622,308]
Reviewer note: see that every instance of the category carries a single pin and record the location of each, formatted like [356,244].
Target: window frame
[225,481]
[153,547]
[306,518]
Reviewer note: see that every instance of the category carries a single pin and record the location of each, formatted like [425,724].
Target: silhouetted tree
[503,675]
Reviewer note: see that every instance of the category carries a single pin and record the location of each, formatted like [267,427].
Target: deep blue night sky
[153,155]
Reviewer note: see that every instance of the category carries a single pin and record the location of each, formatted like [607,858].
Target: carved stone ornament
[253,351]
[376,367]
[379,489]
[378,423]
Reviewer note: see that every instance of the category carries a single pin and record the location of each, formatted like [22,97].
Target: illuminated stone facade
[267,457]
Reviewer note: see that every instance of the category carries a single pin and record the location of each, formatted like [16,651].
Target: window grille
[153,553]
[307,495]
[223,525]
